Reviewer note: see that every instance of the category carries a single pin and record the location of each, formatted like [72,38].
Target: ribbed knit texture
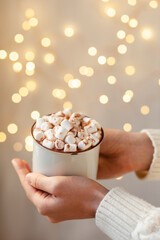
[154,172]
[119,212]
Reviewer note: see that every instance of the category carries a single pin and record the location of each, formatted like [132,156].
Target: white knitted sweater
[123,216]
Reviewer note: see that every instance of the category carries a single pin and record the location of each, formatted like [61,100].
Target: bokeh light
[67,77]
[3,54]
[74,83]
[92,51]
[130,70]
[29,148]
[83,70]
[3,137]
[110,12]
[111,79]
[146,34]
[17,146]
[145,110]
[17,67]
[29,13]
[35,115]
[23,91]
[130,38]
[133,23]
[30,66]
[127,127]
[122,49]
[12,128]
[153,4]
[13,56]
[26,25]
[67,104]
[29,55]
[69,32]
[29,72]
[29,140]
[121,34]
[111,61]
[49,58]
[102,60]
[58,93]
[19,38]
[125,18]
[126,98]
[132,2]
[33,22]
[45,42]
[31,85]
[16,98]
[103,99]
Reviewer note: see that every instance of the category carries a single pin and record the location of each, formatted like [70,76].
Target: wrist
[141,151]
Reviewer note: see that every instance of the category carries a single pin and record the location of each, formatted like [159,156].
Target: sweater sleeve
[122,216]
[154,171]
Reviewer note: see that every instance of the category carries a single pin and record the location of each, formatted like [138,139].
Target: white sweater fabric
[123,216]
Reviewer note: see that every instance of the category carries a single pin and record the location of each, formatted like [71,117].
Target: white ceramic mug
[54,163]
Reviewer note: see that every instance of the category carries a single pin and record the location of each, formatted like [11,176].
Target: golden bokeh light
[129,93]
[17,67]
[35,115]
[26,25]
[105,0]
[69,32]
[16,98]
[111,61]
[29,55]
[33,22]
[3,137]
[67,104]
[58,93]
[92,51]
[130,70]
[133,23]
[23,91]
[121,34]
[130,38]
[122,49]
[29,72]
[29,140]
[110,12]
[83,70]
[146,34]
[90,72]
[13,56]
[132,2]
[153,4]
[103,99]
[125,18]
[74,83]
[102,60]
[49,58]
[29,148]
[126,98]
[31,85]
[127,127]
[29,13]
[30,66]
[67,77]
[111,80]
[145,110]
[12,128]
[17,146]
[3,54]
[19,38]
[45,42]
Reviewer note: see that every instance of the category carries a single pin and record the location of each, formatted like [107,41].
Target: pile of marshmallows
[67,131]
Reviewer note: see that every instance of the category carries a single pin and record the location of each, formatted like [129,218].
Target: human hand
[60,198]
[122,152]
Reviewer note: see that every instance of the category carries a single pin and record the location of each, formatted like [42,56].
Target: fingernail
[29,178]
[14,163]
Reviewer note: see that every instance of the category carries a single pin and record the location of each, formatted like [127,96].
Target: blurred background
[100,57]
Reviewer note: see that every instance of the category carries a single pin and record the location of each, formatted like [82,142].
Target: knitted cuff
[119,212]
[154,172]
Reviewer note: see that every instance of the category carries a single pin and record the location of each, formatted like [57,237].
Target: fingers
[41,182]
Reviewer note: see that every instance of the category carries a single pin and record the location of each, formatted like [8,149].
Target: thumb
[40,182]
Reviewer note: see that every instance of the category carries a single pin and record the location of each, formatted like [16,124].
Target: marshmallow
[50,134]
[74,122]
[46,118]
[98,126]
[84,144]
[45,126]
[60,114]
[48,144]
[94,140]
[70,148]
[55,120]
[59,144]
[67,112]
[70,139]
[61,133]
[82,134]
[39,122]
[77,115]
[77,140]
[91,128]
[85,121]
[38,135]
[74,132]
[98,134]
[66,124]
